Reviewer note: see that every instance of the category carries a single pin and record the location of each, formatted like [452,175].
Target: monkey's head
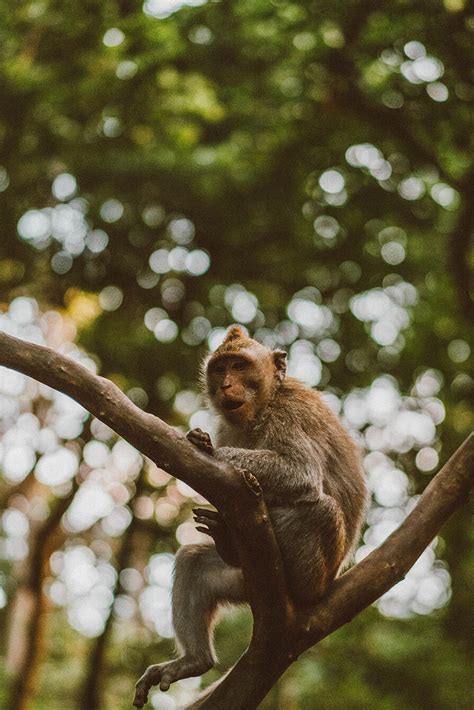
[242,376]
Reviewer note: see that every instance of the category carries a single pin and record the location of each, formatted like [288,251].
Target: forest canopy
[166,169]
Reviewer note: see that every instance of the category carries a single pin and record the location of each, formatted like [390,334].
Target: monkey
[308,467]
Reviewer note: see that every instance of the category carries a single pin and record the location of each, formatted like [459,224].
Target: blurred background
[169,168]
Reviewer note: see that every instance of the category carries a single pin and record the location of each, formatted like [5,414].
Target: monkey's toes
[166,681]
[151,677]
[166,673]
[141,694]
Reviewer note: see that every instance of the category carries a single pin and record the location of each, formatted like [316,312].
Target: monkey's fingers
[211,523]
[212,530]
[210,527]
[204,530]
[201,439]
[198,434]
[208,514]
[202,445]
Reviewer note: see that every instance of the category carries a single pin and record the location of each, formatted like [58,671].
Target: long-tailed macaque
[313,485]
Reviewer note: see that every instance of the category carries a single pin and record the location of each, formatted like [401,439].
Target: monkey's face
[237,386]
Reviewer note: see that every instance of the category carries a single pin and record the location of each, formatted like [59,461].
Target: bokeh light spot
[332,181]
[64,186]
[113,37]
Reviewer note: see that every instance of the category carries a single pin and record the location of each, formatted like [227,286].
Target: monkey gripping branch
[282,630]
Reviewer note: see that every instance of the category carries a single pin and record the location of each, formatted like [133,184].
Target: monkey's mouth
[230,405]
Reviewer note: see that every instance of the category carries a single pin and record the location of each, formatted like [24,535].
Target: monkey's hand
[211,522]
[202,440]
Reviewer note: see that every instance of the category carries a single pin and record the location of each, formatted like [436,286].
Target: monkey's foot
[211,522]
[201,439]
[167,673]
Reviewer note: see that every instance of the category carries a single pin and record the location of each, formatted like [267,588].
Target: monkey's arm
[285,473]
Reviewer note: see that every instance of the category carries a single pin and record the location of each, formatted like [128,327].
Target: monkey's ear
[279,358]
[235,332]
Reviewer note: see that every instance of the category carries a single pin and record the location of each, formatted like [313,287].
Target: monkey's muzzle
[231,405]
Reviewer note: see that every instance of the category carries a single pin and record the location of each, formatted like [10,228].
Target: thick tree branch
[389,563]
[231,491]
[281,632]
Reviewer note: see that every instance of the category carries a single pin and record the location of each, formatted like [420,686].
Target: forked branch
[281,632]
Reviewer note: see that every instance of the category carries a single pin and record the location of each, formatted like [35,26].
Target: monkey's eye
[239,365]
[219,369]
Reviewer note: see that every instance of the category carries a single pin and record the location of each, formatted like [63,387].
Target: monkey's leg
[310,567]
[202,581]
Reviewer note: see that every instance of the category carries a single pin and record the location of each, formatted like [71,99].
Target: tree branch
[281,632]
[237,494]
[389,563]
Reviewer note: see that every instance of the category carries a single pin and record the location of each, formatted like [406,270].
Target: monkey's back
[303,427]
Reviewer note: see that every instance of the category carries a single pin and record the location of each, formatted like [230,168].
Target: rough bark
[281,631]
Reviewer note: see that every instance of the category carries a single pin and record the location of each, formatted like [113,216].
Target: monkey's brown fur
[313,485]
